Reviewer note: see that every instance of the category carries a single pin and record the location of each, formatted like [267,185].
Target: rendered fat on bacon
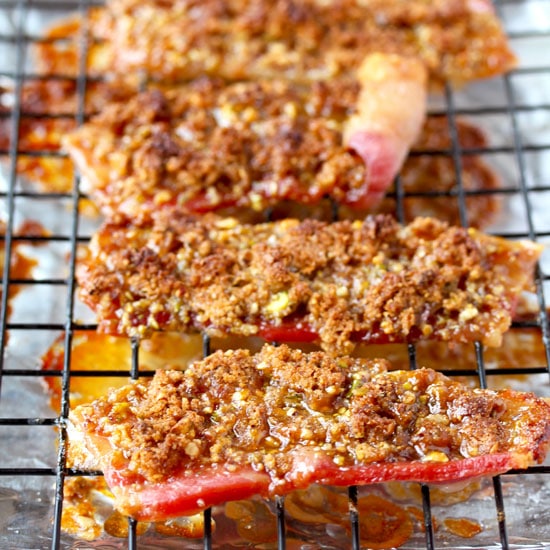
[336,283]
[236,425]
[208,145]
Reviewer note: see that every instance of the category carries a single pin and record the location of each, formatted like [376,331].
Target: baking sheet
[515,113]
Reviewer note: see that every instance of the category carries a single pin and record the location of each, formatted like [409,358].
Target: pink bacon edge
[391,113]
[480,6]
[190,493]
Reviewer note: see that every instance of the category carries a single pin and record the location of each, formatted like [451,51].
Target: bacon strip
[390,114]
[208,145]
[235,425]
[38,133]
[304,41]
[323,42]
[374,281]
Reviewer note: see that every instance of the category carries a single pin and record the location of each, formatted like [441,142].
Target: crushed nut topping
[403,283]
[237,409]
[208,145]
[302,40]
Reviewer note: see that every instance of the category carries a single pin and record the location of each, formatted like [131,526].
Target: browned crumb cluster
[208,145]
[234,408]
[373,279]
[430,174]
[302,40]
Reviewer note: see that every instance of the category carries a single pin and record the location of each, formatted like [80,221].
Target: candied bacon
[235,424]
[306,40]
[40,132]
[430,173]
[375,281]
[209,145]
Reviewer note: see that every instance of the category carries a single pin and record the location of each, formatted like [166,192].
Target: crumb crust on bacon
[371,279]
[234,409]
[209,145]
[423,177]
[425,20]
[306,40]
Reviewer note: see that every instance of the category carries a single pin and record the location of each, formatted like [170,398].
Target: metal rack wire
[523,188]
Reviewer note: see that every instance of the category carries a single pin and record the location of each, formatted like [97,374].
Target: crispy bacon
[236,424]
[306,40]
[383,77]
[48,116]
[374,281]
[390,114]
[209,145]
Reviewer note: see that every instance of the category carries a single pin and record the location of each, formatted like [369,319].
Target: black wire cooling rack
[33,466]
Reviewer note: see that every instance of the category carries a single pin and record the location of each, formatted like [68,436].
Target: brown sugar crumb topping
[374,279]
[306,40]
[237,409]
[245,144]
